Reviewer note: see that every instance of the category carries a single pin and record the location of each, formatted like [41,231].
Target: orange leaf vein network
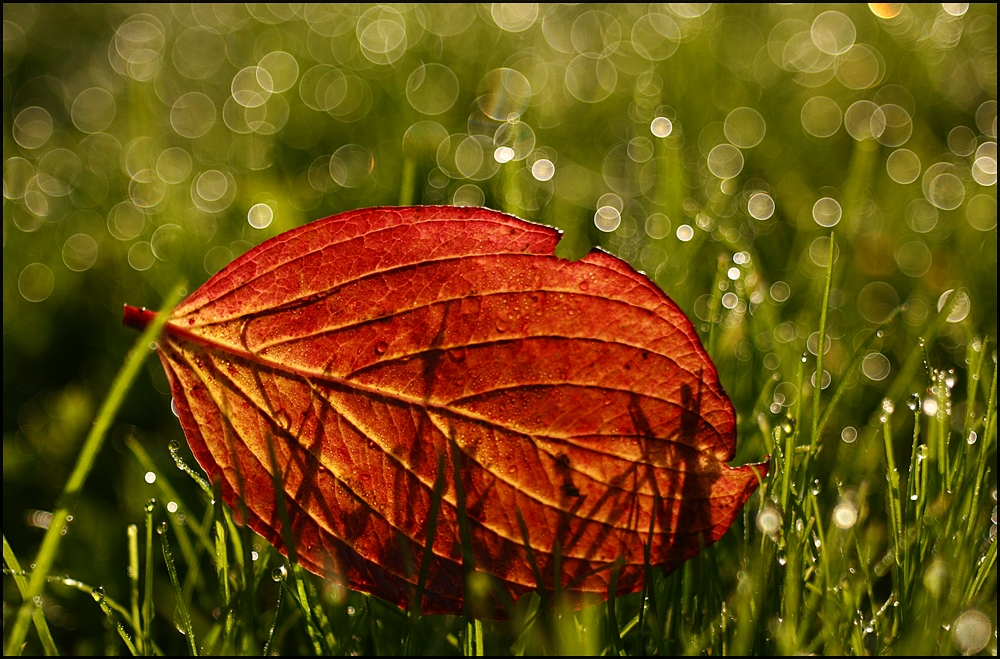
[370,347]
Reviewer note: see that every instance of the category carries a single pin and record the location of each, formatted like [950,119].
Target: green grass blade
[787,466]
[821,345]
[616,636]
[92,591]
[102,601]
[188,551]
[183,466]
[841,389]
[269,644]
[322,639]
[984,450]
[167,491]
[918,354]
[178,592]
[249,636]
[84,463]
[147,599]
[37,616]
[715,304]
[408,185]
[474,638]
[648,589]
[222,570]
[988,565]
[425,560]
[133,579]
[468,559]
[542,590]
[895,515]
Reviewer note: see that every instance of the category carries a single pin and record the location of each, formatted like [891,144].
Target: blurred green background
[714,147]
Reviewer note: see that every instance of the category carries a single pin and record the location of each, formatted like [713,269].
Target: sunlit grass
[815,187]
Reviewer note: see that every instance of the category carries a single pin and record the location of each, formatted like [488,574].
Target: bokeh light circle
[36,281]
[192,115]
[725,161]
[93,110]
[827,212]
[903,166]
[821,116]
[760,206]
[745,128]
[590,78]
[432,89]
[543,169]
[32,127]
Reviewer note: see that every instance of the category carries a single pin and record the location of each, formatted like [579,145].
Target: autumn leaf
[361,353]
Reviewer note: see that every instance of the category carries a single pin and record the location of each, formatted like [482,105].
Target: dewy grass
[815,582]
[37,617]
[91,447]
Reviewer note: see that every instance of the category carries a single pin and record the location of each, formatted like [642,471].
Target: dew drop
[381,347]
[278,573]
[913,402]
[150,506]
[456,354]
[162,528]
[584,285]
[971,439]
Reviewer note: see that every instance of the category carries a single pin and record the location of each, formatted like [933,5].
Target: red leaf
[367,347]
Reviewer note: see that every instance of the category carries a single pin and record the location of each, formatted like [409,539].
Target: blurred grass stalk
[85,461]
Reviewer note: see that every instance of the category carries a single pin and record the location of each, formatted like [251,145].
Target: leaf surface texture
[367,347]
